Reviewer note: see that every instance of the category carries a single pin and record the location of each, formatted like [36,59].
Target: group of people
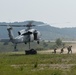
[62,50]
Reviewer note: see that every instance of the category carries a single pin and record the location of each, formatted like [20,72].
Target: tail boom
[11,36]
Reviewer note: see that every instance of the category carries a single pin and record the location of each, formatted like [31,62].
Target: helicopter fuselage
[25,36]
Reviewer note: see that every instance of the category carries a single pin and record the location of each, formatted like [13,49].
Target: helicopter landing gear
[38,42]
[15,47]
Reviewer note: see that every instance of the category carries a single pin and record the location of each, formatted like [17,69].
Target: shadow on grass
[17,54]
[21,54]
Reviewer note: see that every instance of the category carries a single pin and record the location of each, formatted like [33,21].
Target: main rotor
[30,24]
[27,24]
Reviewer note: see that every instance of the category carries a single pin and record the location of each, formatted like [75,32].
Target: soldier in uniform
[69,49]
[55,50]
[62,50]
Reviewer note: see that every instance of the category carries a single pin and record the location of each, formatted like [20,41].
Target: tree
[59,42]
[45,44]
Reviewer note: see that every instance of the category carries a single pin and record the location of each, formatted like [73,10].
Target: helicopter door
[35,36]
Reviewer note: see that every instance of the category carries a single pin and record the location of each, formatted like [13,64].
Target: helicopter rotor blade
[28,24]
[3,25]
[43,25]
[15,25]
[25,25]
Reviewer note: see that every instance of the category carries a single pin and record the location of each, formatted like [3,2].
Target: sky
[57,13]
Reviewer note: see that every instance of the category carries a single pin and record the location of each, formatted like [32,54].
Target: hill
[48,32]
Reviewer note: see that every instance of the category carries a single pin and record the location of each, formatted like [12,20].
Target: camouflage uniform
[62,50]
[55,50]
[69,49]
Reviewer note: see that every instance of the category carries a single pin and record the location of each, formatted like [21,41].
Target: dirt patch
[59,50]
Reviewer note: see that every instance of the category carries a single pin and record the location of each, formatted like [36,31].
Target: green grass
[40,64]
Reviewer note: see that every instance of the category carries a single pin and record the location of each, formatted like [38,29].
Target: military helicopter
[25,35]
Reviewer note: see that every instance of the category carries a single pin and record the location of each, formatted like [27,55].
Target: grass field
[40,64]
[44,63]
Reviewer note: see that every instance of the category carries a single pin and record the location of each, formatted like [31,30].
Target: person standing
[69,49]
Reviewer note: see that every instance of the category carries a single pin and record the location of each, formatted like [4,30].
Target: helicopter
[25,35]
